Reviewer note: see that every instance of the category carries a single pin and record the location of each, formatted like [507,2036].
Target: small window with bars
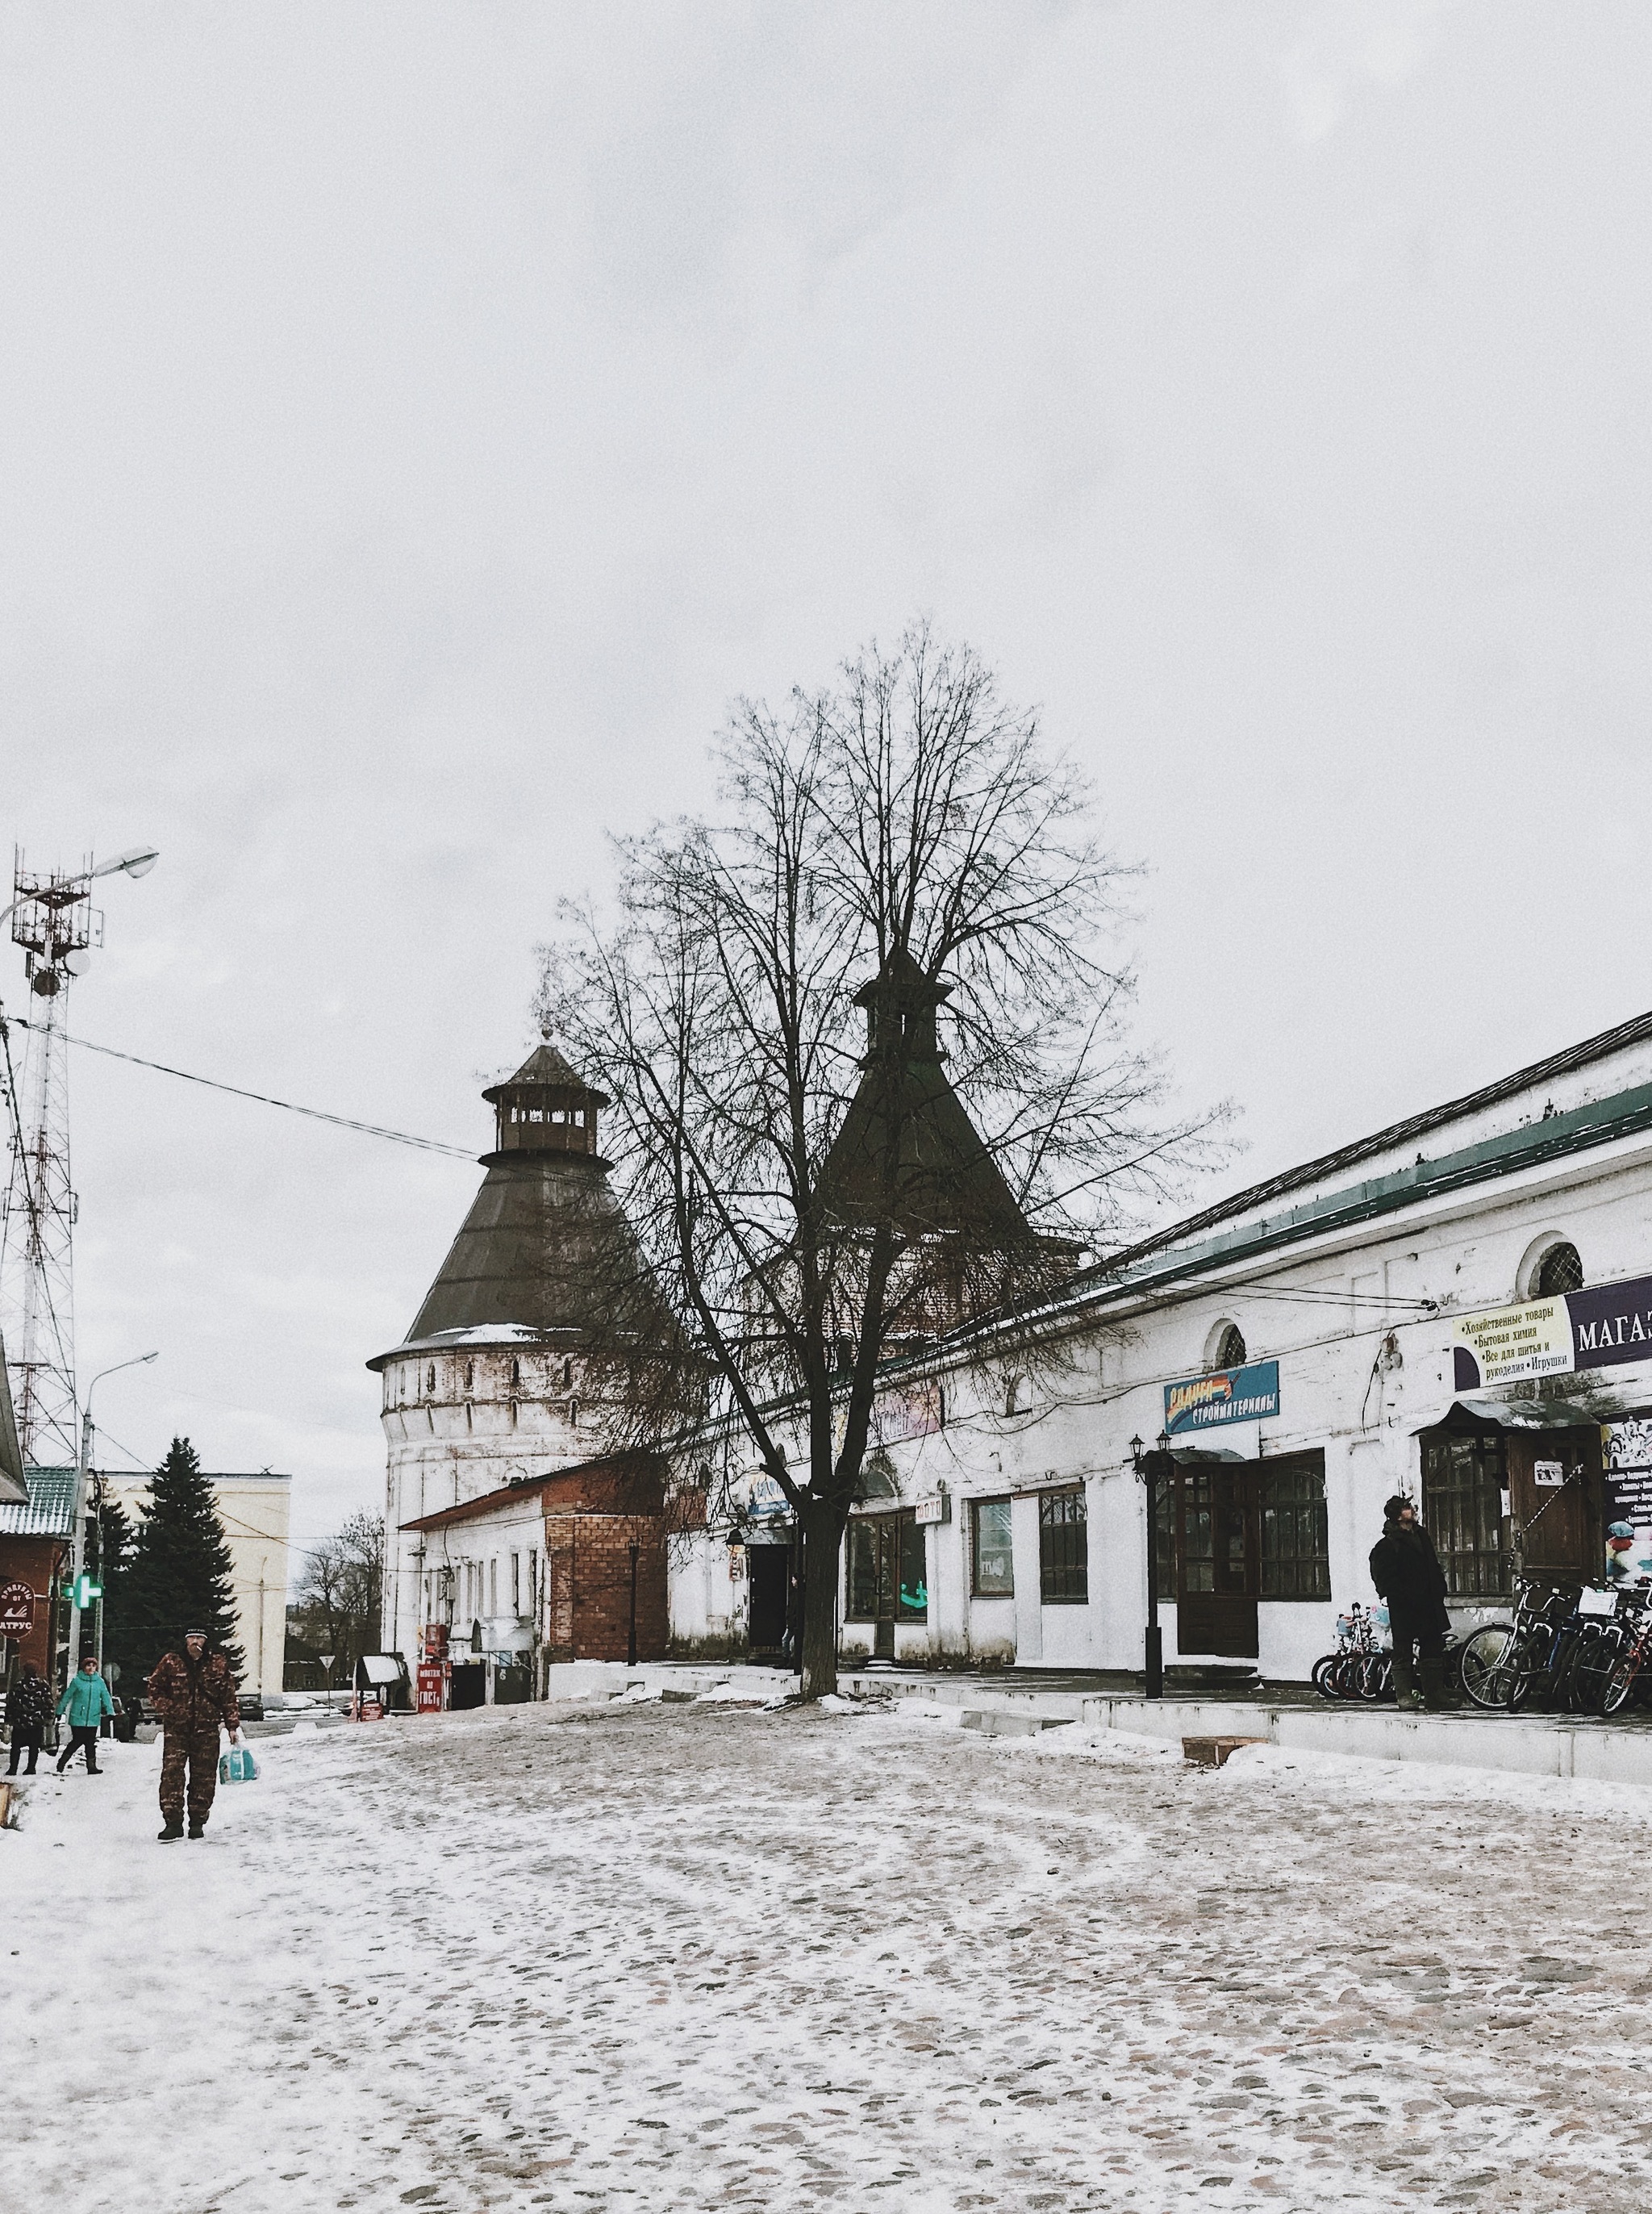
[1063,1550]
[1561,1270]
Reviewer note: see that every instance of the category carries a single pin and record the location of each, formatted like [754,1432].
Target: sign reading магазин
[1250,1394]
[1599,1327]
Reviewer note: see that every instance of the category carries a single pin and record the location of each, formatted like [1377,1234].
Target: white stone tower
[486,1387]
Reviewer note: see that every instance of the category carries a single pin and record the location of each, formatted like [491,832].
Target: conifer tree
[177,1575]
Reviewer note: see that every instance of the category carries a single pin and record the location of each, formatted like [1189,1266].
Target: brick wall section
[39,1562]
[588,1564]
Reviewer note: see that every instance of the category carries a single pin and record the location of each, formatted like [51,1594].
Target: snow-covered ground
[629,1956]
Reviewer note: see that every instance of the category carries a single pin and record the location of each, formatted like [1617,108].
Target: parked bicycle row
[1569,1650]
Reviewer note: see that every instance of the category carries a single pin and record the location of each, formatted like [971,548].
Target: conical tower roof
[545,1248]
[946,1180]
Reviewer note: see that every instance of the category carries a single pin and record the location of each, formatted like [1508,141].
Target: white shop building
[1455,1307]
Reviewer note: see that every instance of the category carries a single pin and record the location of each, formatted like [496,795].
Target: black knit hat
[1391,1507]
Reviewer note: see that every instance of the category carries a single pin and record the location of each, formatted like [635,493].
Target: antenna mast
[54,920]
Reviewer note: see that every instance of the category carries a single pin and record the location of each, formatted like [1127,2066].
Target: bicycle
[1630,1675]
[1360,1668]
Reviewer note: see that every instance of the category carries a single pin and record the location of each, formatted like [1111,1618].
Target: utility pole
[80,1595]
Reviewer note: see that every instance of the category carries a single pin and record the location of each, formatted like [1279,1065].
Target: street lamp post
[1149,1467]
[82,1467]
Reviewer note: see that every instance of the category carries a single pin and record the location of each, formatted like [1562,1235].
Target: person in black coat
[28,1709]
[1406,1571]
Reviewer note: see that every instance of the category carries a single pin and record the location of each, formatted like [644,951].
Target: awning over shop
[1466,1416]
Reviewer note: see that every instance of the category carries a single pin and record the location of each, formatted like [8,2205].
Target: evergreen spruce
[178,1575]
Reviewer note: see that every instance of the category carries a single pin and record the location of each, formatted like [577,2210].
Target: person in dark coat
[194,1695]
[1406,1571]
[28,1709]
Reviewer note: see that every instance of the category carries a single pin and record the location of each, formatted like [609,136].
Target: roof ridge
[1632,1032]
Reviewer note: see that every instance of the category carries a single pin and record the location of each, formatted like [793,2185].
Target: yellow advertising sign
[1509,1343]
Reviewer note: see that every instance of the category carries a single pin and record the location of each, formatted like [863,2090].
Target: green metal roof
[50,1509]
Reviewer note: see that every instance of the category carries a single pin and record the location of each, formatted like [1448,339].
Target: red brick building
[568,1566]
[35,1546]
[605,1554]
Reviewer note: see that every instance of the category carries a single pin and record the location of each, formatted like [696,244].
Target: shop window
[888,1577]
[1164,1550]
[1230,1348]
[1464,1483]
[1296,1559]
[1063,1550]
[1560,1270]
[992,1558]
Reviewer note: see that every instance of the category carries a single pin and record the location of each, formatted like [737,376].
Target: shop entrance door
[1554,1495]
[765,1629]
[1218,1547]
[887,1581]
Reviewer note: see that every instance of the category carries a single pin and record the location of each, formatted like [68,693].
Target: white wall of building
[1364,1365]
[256,1511]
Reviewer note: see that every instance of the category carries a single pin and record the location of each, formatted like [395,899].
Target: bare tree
[341,1580]
[865,1035]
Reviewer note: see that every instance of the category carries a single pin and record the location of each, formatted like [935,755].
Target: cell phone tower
[54,923]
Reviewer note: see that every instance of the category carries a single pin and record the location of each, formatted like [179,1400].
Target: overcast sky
[416,423]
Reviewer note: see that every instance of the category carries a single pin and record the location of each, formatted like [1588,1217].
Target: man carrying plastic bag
[194,1696]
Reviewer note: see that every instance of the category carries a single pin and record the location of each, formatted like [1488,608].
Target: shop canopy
[1466,1415]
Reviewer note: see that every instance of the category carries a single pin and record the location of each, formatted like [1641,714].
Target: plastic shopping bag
[237,1765]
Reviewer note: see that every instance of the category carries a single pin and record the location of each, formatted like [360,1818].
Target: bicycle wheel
[1527,1667]
[1369,1677]
[1592,1661]
[1481,1659]
[1620,1682]
[1323,1671]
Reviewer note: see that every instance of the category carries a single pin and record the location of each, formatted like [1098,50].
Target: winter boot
[92,1768]
[172,1831]
[198,1829]
[1405,1698]
[1434,1686]
[63,1757]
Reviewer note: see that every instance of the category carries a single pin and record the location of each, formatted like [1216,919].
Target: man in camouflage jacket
[192,1693]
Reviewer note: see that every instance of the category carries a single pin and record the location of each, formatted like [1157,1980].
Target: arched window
[1561,1269]
[515,1373]
[568,1374]
[1230,1348]
[573,1414]
[430,1378]
[470,1374]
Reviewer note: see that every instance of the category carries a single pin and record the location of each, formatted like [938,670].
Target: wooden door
[1217,1559]
[1563,1541]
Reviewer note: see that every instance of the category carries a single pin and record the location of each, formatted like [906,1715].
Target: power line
[263,1099]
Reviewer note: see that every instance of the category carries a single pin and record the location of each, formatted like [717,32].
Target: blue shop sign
[1250,1394]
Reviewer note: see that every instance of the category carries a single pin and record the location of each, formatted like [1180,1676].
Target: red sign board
[429,1687]
[17,1609]
[369,1711]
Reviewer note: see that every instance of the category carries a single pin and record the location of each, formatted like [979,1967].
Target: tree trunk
[823,1535]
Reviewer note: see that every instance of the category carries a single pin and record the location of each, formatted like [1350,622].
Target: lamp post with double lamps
[1152,1468]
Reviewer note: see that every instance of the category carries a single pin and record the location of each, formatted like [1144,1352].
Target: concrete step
[1000,1721]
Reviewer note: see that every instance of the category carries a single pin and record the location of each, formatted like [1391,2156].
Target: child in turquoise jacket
[84,1705]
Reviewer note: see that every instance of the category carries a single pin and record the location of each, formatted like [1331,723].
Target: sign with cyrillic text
[1250,1394]
[1602,1326]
